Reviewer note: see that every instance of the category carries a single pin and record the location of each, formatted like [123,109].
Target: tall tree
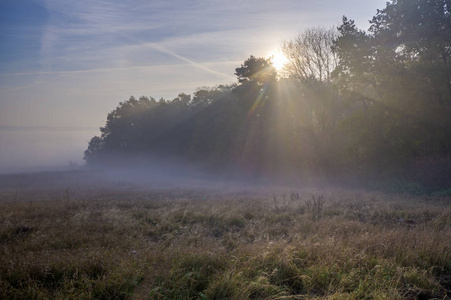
[417,34]
[311,61]
[256,70]
[310,54]
[397,77]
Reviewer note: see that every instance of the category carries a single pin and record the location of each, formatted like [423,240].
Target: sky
[67,64]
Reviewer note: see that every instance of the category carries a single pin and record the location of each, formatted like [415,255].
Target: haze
[65,65]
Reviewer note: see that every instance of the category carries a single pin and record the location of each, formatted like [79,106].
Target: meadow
[71,236]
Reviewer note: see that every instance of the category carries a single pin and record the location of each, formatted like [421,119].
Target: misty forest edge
[350,103]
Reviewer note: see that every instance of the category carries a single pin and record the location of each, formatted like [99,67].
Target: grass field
[61,238]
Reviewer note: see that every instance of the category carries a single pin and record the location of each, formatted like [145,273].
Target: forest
[350,104]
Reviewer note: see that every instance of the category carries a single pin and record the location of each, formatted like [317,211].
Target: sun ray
[257,101]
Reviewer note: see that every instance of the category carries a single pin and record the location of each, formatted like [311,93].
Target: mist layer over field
[33,149]
[116,235]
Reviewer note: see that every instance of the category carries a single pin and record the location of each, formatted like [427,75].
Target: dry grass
[216,244]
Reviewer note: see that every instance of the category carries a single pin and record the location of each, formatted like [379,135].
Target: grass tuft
[234,244]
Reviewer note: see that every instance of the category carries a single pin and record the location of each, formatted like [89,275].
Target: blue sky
[69,63]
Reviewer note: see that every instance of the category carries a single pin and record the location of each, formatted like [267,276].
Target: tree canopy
[374,104]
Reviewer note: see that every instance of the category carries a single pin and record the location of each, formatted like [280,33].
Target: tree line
[349,102]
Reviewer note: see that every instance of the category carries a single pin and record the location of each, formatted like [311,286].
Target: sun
[279,60]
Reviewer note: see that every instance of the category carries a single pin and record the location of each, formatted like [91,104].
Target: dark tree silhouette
[370,104]
[256,70]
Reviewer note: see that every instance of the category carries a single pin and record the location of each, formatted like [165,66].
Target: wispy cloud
[99,52]
[69,63]
[102,37]
[204,67]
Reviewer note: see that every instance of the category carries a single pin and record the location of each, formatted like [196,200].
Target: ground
[91,236]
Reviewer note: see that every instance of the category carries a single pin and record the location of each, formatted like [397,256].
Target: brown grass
[223,244]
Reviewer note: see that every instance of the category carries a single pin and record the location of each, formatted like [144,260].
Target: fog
[33,149]
[57,155]
[52,152]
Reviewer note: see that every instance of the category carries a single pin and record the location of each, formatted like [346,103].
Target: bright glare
[279,60]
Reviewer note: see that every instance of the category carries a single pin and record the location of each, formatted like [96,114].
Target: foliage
[353,104]
[311,55]
[397,78]
[256,70]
